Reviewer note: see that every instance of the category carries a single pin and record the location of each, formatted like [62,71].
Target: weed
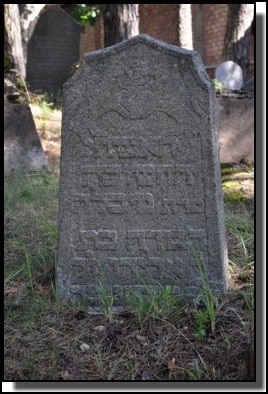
[13,274]
[219,85]
[242,229]
[47,102]
[168,302]
[131,370]
[52,230]
[233,196]
[206,293]
[228,169]
[99,360]
[195,372]
[105,297]
[46,107]
[43,334]
[21,84]
[152,303]
[249,299]
[201,321]
[28,260]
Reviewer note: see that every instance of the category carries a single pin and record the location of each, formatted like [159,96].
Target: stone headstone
[236,129]
[231,74]
[22,147]
[52,50]
[140,176]
[249,87]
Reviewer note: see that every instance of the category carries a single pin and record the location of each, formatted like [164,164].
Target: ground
[161,337]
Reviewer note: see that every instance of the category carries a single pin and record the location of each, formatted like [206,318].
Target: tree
[29,14]
[121,21]
[237,37]
[13,53]
[185,26]
[20,21]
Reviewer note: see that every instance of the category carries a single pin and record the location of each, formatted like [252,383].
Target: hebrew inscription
[140,180]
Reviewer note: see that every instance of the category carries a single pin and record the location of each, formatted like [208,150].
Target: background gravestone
[22,147]
[231,74]
[140,176]
[236,129]
[52,50]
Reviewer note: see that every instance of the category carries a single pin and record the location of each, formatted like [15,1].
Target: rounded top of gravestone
[231,74]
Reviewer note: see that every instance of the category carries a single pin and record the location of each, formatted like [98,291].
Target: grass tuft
[159,336]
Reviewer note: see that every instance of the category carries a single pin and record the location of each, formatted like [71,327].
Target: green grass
[152,304]
[105,297]
[29,266]
[30,239]
[207,296]
[47,102]
[250,299]
[36,188]
[241,227]
[43,334]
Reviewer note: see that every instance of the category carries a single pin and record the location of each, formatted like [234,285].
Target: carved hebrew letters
[140,182]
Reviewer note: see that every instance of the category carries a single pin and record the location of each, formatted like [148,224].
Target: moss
[234,196]
[229,184]
[228,170]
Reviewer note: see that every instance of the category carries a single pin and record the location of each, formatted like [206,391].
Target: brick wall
[214,26]
[160,21]
[92,37]
[214,22]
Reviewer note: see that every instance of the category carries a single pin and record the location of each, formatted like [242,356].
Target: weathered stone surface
[236,129]
[52,50]
[249,87]
[22,147]
[231,74]
[140,185]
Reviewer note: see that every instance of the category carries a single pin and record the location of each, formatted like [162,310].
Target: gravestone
[141,198]
[52,50]
[231,74]
[22,147]
[236,129]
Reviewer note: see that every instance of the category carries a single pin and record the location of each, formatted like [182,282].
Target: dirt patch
[48,126]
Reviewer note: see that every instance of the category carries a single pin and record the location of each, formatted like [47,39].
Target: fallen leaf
[171,363]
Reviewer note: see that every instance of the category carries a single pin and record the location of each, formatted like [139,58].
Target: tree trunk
[121,21]
[29,14]
[237,37]
[12,39]
[184,18]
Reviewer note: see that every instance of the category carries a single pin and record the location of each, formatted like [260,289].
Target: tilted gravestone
[140,186]
[52,50]
[22,147]
[231,74]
